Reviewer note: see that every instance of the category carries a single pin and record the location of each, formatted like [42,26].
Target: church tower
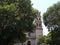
[39,31]
[34,35]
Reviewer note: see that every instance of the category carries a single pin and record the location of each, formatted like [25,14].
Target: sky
[42,6]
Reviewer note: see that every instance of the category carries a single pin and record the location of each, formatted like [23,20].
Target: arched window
[39,18]
[28,42]
[36,18]
[39,25]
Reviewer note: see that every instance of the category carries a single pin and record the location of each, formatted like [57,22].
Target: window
[39,18]
[39,25]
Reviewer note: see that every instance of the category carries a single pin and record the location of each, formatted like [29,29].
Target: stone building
[39,31]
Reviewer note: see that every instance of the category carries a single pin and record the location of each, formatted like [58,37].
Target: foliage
[52,20]
[52,16]
[41,40]
[55,36]
[16,19]
[48,38]
[44,39]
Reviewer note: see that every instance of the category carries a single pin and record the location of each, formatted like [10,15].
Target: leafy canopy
[52,20]
[16,19]
[52,16]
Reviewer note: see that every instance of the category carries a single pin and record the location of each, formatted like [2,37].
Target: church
[39,31]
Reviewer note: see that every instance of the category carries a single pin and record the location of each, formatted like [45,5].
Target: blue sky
[42,6]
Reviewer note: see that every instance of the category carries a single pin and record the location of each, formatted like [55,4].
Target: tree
[55,36]
[41,40]
[52,20]
[16,19]
[45,39]
[51,16]
[48,38]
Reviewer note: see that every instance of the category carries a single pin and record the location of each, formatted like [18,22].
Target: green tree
[45,39]
[52,16]
[16,19]
[55,36]
[48,38]
[41,40]
[52,20]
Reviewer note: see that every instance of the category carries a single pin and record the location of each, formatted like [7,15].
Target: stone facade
[39,31]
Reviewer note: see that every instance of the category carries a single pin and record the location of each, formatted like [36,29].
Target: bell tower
[38,31]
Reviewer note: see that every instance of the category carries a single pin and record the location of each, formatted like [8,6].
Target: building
[39,31]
